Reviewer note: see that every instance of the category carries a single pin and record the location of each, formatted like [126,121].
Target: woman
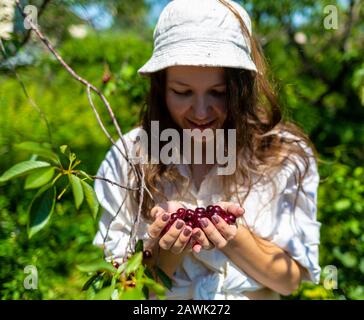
[207,72]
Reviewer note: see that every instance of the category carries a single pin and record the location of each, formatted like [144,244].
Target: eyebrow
[187,85]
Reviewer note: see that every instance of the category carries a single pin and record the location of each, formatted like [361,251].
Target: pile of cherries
[192,218]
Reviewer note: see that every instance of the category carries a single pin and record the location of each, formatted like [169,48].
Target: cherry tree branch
[89,88]
[114,183]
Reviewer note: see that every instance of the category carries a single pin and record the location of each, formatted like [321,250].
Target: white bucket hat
[200,33]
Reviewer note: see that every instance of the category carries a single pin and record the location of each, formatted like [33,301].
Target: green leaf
[22,168]
[342,204]
[41,209]
[39,177]
[95,266]
[148,273]
[133,263]
[89,282]
[167,282]
[154,286]
[85,175]
[91,198]
[139,246]
[146,292]
[139,274]
[76,189]
[349,260]
[104,293]
[95,286]
[132,294]
[43,150]
[64,149]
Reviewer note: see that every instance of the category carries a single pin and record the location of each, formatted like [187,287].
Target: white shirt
[209,274]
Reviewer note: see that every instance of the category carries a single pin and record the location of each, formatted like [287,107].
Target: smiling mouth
[201,126]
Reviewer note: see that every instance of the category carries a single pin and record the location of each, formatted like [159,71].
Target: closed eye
[218,93]
[182,93]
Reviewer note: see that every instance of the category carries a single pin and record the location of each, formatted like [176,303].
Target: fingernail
[215,219]
[179,224]
[196,235]
[204,223]
[186,232]
[165,217]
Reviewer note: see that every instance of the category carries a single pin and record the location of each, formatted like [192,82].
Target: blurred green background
[318,70]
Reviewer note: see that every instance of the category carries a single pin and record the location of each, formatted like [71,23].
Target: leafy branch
[130,280]
[138,172]
[57,172]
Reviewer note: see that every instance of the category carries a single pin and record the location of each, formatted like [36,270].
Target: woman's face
[195,96]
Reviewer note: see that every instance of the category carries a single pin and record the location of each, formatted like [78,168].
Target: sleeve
[298,231]
[117,218]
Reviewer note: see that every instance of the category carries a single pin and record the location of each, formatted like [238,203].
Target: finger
[232,208]
[201,239]
[189,245]
[197,248]
[213,234]
[226,230]
[170,237]
[158,225]
[171,206]
[182,240]
[156,211]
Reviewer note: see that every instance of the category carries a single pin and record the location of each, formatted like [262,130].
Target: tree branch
[114,183]
[27,35]
[89,87]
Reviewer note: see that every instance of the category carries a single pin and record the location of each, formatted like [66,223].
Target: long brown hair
[253,110]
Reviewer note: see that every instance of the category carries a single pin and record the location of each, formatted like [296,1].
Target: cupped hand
[177,238]
[217,233]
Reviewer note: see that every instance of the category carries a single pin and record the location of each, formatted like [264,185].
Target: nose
[201,108]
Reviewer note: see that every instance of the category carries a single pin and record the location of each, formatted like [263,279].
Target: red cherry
[106,77]
[147,254]
[232,218]
[200,210]
[209,208]
[217,211]
[181,211]
[188,216]
[200,214]
[190,224]
[227,220]
[192,218]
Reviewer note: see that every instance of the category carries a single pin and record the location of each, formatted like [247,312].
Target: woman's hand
[217,233]
[176,239]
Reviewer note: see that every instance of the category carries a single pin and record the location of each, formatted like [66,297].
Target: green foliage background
[323,91]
